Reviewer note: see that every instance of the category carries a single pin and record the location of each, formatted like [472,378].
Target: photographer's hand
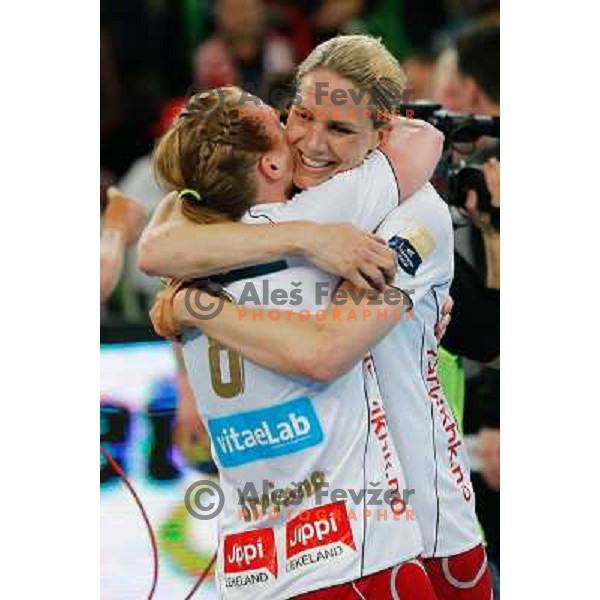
[482,220]
[445,318]
[491,170]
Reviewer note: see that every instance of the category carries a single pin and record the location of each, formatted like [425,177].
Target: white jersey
[423,427]
[284,445]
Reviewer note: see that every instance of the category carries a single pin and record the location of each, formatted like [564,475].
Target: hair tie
[196,195]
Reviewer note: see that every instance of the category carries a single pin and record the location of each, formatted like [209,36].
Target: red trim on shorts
[464,576]
[406,581]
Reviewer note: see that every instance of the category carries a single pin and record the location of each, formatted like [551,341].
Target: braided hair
[213,148]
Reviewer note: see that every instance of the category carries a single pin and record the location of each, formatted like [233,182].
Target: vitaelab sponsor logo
[318,534]
[249,558]
[266,433]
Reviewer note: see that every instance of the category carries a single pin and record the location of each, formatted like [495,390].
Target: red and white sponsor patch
[251,550]
[317,527]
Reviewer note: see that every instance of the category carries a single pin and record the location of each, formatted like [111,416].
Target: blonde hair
[366,62]
[213,149]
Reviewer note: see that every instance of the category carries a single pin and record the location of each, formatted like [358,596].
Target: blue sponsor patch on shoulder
[408,257]
[266,433]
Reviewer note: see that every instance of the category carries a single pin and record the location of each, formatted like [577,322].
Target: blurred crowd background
[154,52]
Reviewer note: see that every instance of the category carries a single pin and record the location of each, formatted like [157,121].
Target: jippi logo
[318,527]
[250,550]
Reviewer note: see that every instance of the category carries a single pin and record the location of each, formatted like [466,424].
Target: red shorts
[407,581]
[461,577]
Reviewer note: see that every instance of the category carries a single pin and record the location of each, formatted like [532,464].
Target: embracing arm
[414,148]
[173,246]
[322,347]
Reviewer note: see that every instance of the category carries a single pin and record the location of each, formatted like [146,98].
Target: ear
[382,133]
[270,166]
[378,137]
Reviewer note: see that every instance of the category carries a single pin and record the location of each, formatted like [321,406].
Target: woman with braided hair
[210,151]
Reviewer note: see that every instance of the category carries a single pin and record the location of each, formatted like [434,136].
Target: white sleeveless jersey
[284,446]
[423,427]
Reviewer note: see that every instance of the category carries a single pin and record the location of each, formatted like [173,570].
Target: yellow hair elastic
[192,193]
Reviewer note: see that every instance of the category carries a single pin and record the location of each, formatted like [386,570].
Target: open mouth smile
[315,164]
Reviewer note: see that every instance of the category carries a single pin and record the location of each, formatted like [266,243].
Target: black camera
[458,129]
[464,178]
[455,127]
[471,177]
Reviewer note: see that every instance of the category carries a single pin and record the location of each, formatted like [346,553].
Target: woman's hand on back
[361,258]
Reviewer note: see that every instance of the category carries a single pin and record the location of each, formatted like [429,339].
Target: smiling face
[330,130]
